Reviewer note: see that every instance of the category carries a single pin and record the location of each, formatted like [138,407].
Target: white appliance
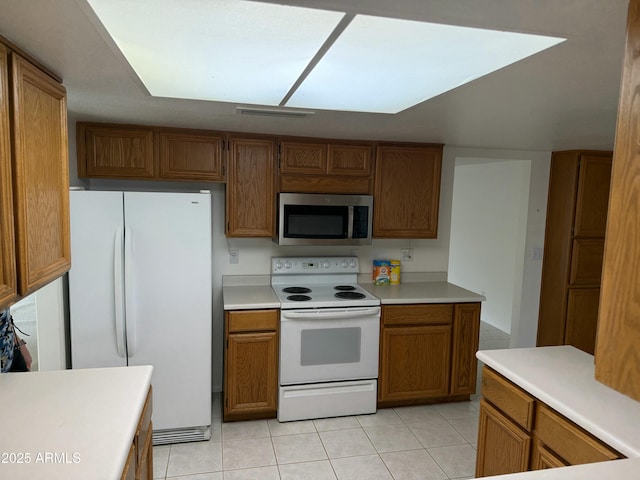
[140,294]
[320,219]
[329,337]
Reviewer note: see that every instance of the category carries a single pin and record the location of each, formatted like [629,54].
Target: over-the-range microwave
[319,219]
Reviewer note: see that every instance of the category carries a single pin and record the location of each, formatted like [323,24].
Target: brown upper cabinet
[407,191]
[251,189]
[319,166]
[35,179]
[149,153]
[573,248]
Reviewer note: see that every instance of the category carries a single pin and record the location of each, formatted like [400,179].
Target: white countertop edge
[401,301]
[569,411]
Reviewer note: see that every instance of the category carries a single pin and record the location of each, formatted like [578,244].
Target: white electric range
[329,338]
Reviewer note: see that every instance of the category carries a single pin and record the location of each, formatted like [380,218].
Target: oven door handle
[330,314]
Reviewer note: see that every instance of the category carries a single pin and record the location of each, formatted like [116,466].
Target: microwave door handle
[350,223]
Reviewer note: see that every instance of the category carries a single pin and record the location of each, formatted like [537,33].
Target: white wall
[498,217]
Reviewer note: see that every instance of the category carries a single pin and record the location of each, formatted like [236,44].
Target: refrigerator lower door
[168,304]
[96,235]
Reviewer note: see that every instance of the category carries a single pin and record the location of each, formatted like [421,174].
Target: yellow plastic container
[394,276]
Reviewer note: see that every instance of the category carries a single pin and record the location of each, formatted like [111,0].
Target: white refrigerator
[140,294]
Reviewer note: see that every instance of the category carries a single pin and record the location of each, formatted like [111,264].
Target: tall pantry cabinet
[34,196]
[573,248]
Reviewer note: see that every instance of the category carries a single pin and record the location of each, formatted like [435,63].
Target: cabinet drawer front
[434,314]
[569,441]
[509,398]
[252,320]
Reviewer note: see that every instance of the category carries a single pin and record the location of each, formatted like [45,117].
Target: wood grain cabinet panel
[41,173]
[115,151]
[616,355]
[503,447]
[250,365]
[466,333]
[416,362]
[407,191]
[573,246]
[325,166]
[251,190]
[582,318]
[8,285]
[543,458]
[517,404]
[186,155]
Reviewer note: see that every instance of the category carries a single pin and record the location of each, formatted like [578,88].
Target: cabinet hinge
[227,343]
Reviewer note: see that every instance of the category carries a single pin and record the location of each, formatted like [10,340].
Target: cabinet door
[543,458]
[502,446]
[407,192]
[618,333]
[414,363]
[593,196]
[8,286]
[41,172]
[303,158]
[190,156]
[115,152]
[582,318]
[349,160]
[251,374]
[466,331]
[251,192]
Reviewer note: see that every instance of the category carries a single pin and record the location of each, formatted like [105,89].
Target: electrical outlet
[536,253]
[407,254]
[234,255]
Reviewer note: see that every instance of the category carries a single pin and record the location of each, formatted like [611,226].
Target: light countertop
[615,469]
[254,292]
[70,424]
[563,378]
[422,292]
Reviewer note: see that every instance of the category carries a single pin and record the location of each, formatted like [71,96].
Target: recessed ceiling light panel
[387,65]
[224,50]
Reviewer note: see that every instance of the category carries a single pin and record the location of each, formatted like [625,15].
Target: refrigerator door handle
[118,292]
[128,292]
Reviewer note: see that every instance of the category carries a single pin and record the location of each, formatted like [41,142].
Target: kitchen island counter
[422,292]
[563,378]
[70,424]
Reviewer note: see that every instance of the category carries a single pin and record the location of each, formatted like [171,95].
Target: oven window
[326,346]
[315,221]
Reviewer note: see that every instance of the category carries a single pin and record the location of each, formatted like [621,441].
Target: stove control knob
[278,265]
[287,264]
[352,264]
[324,264]
[344,264]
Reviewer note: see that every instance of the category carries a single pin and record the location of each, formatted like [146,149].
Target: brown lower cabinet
[427,353]
[250,364]
[517,433]
[139,465]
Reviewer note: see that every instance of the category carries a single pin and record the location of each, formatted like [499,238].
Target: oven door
[329,344]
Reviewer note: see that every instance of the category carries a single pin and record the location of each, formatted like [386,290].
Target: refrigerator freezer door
[96,218]
[168,298]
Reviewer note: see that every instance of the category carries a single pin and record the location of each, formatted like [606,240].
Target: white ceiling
[564,97]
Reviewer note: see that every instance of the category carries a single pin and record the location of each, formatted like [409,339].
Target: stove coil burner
[296,290]
[299,298]
[344,288]
[350,295]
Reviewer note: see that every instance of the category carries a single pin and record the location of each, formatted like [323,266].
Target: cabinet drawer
[569,441]
[252,320]
[513,401]
[433,314]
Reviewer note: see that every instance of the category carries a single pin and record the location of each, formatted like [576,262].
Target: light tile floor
[427,442]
